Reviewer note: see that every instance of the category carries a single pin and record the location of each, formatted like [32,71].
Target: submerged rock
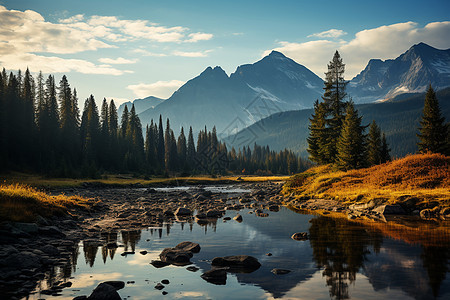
[277,271]
[104,291]
[236,261]
[181,211]
[159,264]
[189,246]
[300,236]
[215,276]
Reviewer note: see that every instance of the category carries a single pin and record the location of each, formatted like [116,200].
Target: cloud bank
[383,42]
[160,89]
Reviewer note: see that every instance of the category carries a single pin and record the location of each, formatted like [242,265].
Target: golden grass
[21,203]
[422,176]
[39,181]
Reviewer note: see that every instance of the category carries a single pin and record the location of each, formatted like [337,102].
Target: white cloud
[332,33]
[161,89]
[383,42]
[148,53]
[26,39]
[199,36]
[117,61]
[52,64]
[191,54]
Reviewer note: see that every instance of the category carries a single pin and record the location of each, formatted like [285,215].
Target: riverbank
[414,185]
[128,180]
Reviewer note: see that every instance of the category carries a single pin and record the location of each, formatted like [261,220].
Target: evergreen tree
[374,144]
[433,133]
[333,99]
[90,132]
[317,139]
[113,126]
[190,151]
[105,140]
[351,145]
[182,150]
[384,155]
[160,149]
[134,135]
[28,98]
[3,130]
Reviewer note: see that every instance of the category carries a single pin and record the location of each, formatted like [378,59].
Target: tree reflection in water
[340,248]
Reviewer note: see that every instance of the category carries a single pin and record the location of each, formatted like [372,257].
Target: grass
[21,203]
[423,179]
[118,180]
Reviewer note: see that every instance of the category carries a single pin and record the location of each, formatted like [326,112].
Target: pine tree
[182,151]
[90,131]
[105,140]
[113,126]
[333,99]
[351,146]
[433,132]
[317,139]
[374,144]
[160,149]
[190,151]
[167,149]
[134,135]
[384,155]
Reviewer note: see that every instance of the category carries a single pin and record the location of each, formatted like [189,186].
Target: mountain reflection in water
[342,260]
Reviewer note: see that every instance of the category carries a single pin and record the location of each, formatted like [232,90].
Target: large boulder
[238,218]
[390,210]
[237,261]
[176,256]
[189,246]
[182,211]
[104,291]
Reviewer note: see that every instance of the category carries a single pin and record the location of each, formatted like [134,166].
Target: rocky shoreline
[30,251]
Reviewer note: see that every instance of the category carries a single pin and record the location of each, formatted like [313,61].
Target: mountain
[398,118]
[411,72]
[140,104]
[273,84]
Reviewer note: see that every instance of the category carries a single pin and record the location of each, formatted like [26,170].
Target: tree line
[336,135]
[42,130]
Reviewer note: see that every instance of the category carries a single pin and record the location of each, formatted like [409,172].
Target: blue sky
[132,49]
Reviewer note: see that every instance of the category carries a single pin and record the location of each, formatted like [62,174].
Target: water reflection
[341,248]
[353,260]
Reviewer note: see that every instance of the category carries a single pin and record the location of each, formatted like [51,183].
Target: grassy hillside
[21,203]
[422,179]
[398,118]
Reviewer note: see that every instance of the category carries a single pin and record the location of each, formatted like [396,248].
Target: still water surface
[342,260]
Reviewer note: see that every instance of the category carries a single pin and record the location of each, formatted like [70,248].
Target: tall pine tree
[317,134]
[374,144]
[351,144]
[433,133]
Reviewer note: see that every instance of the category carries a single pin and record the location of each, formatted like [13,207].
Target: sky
[124,50]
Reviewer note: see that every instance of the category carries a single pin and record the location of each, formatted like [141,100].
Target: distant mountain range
[140,105]
[411,72]
[398,118]
[276,85]
[273,84]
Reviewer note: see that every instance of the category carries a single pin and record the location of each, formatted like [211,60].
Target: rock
[239,261]
[176,256]
[182,211]
[165,281]
[300,236]
[127,253]
[389,210]
[274,208]
[189,246]
[117,284]
[280,271]
[238,218]
[427,213]
[192,269]
[226,218]
[104,291]
[143,252]
[159,286]
[50,250]
[151,191]
[159,264]
[164,293]
[27,227]
[269,254]
[445,212]
[212,213]
[52,231]
[215,276]
[80,298]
